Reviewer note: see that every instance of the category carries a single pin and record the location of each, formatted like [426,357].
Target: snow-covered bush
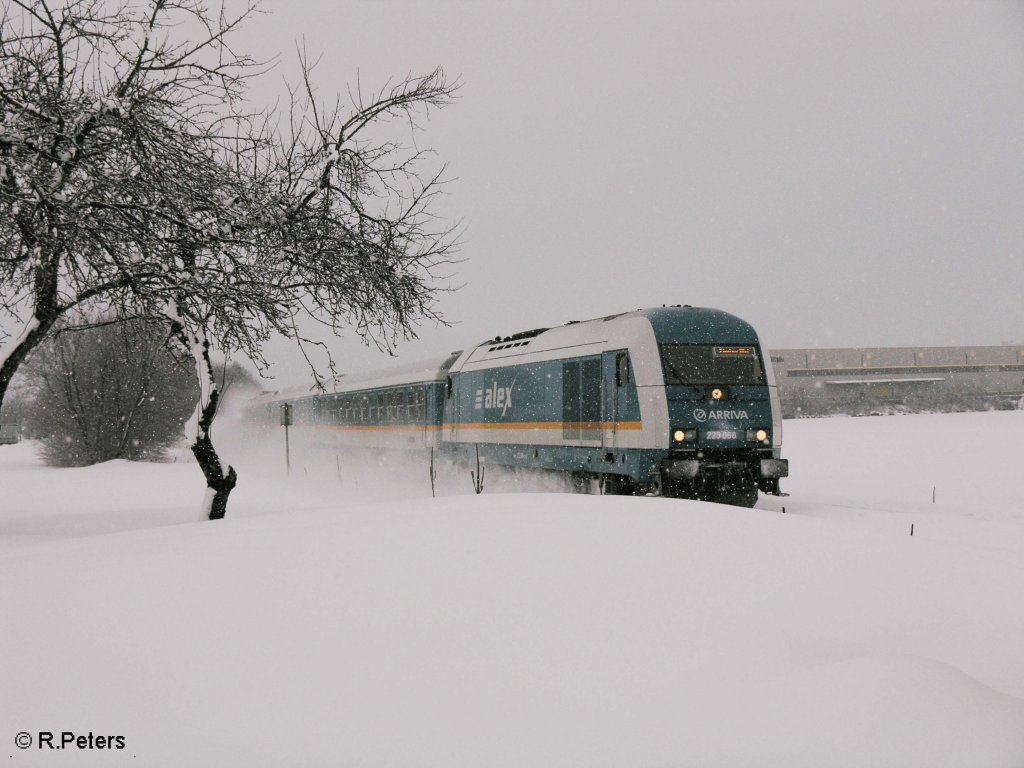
[111,391]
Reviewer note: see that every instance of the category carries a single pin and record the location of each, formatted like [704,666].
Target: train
[676,401]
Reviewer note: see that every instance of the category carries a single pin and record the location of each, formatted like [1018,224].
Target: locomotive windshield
[711,364]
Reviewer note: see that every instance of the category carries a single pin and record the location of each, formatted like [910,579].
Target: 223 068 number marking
[722,434]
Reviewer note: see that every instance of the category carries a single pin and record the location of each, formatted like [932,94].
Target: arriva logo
[494,397]
[701,415]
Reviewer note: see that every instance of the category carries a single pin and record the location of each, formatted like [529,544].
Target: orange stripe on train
[617,425]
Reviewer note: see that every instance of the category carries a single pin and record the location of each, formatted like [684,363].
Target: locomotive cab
[725,430]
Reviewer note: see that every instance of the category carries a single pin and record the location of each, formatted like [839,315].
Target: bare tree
[110,390]
[131,175]
[105,121]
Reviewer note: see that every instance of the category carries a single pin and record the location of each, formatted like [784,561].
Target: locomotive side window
[622,371]
[711,364]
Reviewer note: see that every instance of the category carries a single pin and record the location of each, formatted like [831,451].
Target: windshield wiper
[680,379]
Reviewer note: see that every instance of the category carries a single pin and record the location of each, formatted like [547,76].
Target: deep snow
[316,626]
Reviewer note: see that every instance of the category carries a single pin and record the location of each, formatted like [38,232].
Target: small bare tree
[110,390]
[131,175]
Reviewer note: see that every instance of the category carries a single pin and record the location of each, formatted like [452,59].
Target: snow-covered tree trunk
[219,484]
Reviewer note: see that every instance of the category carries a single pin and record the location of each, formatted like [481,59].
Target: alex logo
[494,397]
[720,415]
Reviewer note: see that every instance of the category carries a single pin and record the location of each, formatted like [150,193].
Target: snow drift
[528,629]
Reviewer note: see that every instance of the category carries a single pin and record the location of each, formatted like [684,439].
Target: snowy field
[343,618]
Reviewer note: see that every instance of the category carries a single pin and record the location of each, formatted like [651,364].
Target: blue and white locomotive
[677,401]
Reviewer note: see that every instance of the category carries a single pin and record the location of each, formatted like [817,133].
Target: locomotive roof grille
[508,346]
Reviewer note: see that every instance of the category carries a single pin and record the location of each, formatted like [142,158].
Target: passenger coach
[676,401]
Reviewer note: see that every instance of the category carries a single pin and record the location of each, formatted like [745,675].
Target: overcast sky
[839,174]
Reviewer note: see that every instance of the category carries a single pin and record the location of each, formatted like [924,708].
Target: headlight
[685,435]
[759,436]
